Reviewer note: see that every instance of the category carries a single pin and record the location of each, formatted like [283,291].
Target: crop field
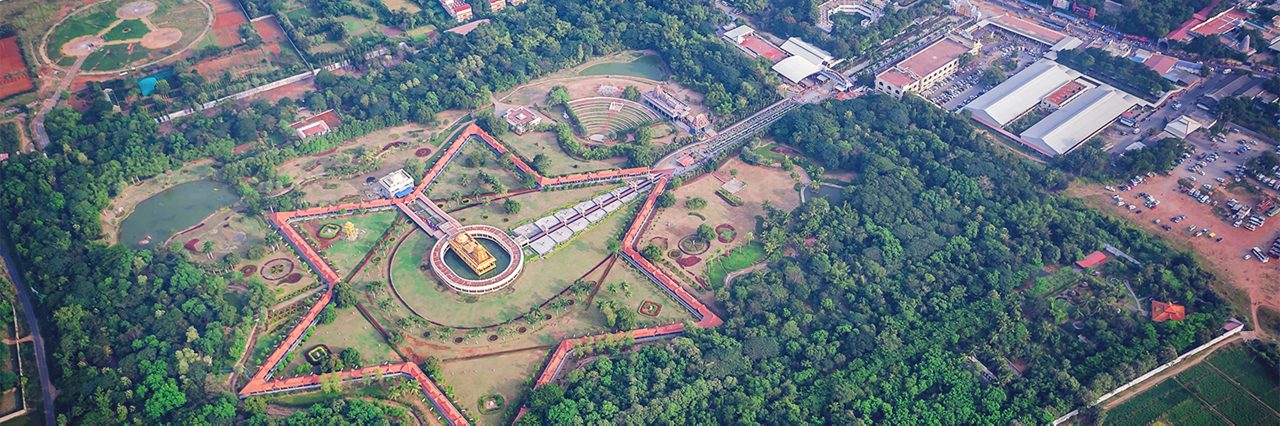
[1231,387]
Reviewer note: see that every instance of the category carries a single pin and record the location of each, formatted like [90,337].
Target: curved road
[29,311]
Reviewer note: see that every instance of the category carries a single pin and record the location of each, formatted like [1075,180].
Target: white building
[1014,97]
[796,68]
[739,34]
[1078,120]
[1183,126]
[926,68]
[396,184]
[809,52]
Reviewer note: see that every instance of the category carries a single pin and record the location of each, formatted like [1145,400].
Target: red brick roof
[1167,311]
[1093,259]
[1067,91]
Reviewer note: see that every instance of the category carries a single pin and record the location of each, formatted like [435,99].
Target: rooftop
[809,52]
[1093,259]
[1065,93]
[1225,21]
[934,57]
[741,30]
[1167,311]
[796,68]
[520,115]
[1027,29]
[1161,64]
[1015,96]
[1078,120]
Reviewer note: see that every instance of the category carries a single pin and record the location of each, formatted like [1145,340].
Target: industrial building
[805,60]
[1081,107]
[926,68]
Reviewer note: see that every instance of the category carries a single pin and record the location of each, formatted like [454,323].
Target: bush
[733,200]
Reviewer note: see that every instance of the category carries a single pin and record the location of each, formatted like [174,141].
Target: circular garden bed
[650,308]
[422,152]
[248,270]
[725,233]
[276,269]
[692,245]
[329,231]
[491,403]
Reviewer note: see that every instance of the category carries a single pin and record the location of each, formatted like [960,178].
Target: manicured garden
[738,259]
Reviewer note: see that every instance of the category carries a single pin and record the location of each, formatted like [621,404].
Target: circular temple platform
[480,286]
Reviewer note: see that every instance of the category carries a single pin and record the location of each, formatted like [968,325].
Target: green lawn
[541,280]
[86,23]
[641,289]
[1231,386]
[115,56]
[129,29]
[349,330]
[531,144]
[739,258]
[533,206]
[1053,283]
[459,178]
[647,66]
[345,254]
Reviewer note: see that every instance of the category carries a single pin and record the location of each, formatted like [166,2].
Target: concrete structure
[739,34]
[1064,94]
[796,68]
[316,125]
[872,10]
[1078,120]
[1182,126]
[923,70]
[809,52]
[497,5]
[521,119]
[472,253]
[396,184]
[543,245]
[459,10]
[1020,93]
[667,104]
[464,237]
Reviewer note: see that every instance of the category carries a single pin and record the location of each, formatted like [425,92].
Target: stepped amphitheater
[603,117]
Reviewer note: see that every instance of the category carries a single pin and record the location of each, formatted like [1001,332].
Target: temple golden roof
[472,253]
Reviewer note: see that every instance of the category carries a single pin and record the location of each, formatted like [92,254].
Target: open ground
[116,35]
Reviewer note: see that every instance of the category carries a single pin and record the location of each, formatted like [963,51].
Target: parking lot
[960,89]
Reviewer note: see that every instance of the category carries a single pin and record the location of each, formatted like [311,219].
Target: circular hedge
[276,269]
[692,245]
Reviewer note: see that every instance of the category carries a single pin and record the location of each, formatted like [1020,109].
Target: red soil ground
[13,71]
[273,37]
[226,22]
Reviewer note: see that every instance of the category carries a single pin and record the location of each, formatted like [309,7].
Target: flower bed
[248,270]
[191,245]
[688,261]
[276,269]
[329,231]
[650,308]
[690,244]
[318,354]
[422,152]
[292,278]
[725,233]
[394,145]
[733,200]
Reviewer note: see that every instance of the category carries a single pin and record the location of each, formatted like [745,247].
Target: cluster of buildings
[1080,106]
[926,68]
[461,11]
[676,110]
[796,60]
[544,234]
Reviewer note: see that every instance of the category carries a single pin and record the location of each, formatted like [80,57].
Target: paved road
[29,311]
[40,135]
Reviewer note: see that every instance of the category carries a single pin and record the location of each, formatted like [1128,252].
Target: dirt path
[728,278]
[1180,367]
[23,339]
[295,299]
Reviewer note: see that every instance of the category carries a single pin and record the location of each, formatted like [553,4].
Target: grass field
[1053,283]
[459,178]
[533,205]
[406,5]
[345,254]
[349,330]
[115,56]
[739,258]
[1231,387]
[128,29]
[646,66]
[531,144]
[88,22]
[541,280]
[503,375]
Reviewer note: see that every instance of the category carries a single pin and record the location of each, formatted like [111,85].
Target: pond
[833,195]
[181,207]
[647,66]
[460,267]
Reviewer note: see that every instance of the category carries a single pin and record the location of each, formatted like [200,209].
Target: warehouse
[1078,120]
[1014,97]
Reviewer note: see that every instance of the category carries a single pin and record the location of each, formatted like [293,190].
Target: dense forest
[145,336]
[1093,161]
[915,308]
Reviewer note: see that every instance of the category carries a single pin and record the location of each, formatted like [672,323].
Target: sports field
[1231,387]
[117,34]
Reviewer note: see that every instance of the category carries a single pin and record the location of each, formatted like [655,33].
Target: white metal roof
[396,180]
[1079,119]
[1182,126]
[579,225]
[561,234]
[1017,95]
[796,68]
[809,52]
[527,230]
[741,30]
[543,245]
[547,222]
[596,215]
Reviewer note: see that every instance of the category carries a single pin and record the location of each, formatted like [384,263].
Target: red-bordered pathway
[264,383]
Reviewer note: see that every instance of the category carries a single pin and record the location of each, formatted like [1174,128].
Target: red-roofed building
[1161,64]
[924,69]
[318,124]
[1225,21]
[521,119]
[1064,94]
[496,5]
[1093,259]
[1167,311]
[458,9]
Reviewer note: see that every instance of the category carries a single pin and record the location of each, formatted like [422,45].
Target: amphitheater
[607,116]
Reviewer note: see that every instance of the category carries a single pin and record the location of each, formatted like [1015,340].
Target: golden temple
[474,254]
